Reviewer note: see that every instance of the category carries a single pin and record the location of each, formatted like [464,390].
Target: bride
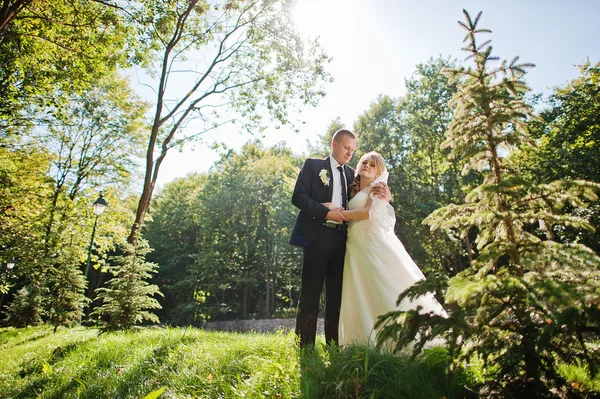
[377,268]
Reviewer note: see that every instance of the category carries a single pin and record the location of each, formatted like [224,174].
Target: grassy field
[192,363]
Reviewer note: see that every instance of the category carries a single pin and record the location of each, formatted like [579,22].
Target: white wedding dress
[377,269]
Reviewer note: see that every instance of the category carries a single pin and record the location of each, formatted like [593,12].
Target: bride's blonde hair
[379,169]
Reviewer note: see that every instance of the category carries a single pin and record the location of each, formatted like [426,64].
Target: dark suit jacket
[309,194]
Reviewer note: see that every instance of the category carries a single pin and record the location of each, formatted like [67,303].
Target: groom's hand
[382,191]
[337,216]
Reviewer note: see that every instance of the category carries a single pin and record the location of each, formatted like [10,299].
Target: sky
[376,45]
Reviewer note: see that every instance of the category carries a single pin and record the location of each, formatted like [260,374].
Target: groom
[321,233]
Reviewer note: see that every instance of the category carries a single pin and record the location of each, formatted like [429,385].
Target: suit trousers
[323,263]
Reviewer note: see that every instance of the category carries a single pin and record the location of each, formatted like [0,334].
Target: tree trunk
[469,249]
[466,239]
[267,291]
[245,302]
[9,11]
[140,214]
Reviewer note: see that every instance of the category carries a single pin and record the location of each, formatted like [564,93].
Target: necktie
[344,191]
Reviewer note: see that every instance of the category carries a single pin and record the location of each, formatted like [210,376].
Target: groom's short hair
[337,136]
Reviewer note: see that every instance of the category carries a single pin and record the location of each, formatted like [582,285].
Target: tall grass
[192,363]
[364,372]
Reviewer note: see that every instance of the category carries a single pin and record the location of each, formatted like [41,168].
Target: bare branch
[215,61]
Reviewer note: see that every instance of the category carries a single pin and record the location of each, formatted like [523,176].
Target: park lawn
[193,363]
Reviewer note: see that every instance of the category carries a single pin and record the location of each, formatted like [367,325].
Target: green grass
[192,363]
[367,373]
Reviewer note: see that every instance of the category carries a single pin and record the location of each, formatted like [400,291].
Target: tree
[24,187]
[26,309]
[381,129]
[67,287]
[527,300]
[174,231]
[243,254]
[255,61]
[94,140]
[408,132]
[86,140]
[60,96]
[573,127]
[221,238]
[569,144]
[431,178]
[322,148]
[81,148]
[129,298]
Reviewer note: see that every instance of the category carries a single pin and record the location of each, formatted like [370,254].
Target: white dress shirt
[336,197]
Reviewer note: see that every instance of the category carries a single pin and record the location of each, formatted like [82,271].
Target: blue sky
[376,44]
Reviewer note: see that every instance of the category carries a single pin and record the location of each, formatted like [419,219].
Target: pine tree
[527,300]
[127,299]
[26,308]
[67,294]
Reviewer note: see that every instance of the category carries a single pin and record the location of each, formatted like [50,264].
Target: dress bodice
[359,200]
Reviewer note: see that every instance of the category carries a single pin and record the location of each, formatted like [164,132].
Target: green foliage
[26,308]
[47,232]
[60,77]
[95,137]
[568,136]
[221,238]
[67,287]
[24,187]
[54,49]
[431,178]
[173,232]
[408,133]
[246,238]
[128,297]
[94,140]
[527,301]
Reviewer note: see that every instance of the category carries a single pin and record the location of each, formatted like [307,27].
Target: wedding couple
[346,228]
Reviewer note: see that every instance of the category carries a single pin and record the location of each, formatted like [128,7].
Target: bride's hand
[329,205]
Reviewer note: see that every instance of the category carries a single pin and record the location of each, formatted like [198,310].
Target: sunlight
[323,18]
[302,16]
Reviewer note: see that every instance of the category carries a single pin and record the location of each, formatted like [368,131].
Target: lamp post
[99,207]
[9,265]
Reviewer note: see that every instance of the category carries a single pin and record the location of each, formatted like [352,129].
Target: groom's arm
[301,196]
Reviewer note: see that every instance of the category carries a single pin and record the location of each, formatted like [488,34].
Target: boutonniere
[324,176]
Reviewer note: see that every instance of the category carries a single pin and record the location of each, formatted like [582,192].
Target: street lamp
[11,264]
[99,207]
